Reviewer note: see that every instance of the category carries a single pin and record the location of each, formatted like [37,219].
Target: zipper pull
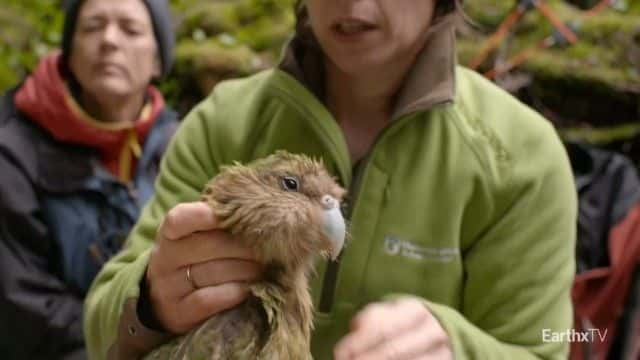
[133,192]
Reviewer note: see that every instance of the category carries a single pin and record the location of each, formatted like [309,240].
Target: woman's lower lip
[110,69]
[353,36]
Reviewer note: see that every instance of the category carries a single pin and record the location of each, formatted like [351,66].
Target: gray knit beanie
[162,28]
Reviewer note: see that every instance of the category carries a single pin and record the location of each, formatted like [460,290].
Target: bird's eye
[290,183]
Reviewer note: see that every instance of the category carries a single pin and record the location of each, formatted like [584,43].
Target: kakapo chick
[287,207]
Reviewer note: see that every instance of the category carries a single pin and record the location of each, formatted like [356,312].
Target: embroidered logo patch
[396,246]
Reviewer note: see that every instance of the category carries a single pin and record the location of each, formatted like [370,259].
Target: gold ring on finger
[190,279]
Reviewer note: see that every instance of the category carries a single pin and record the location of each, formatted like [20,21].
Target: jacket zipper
[329,282]
[331,274]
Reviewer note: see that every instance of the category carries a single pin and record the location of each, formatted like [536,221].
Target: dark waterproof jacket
[607,287]
[62,215]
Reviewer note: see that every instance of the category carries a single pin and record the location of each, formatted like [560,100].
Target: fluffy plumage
[287,208]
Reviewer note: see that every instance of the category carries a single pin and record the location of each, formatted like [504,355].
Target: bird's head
[286,206]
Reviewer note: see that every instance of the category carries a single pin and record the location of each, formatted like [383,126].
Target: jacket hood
[430,81]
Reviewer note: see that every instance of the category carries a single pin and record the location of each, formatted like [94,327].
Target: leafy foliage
[237,37]
[30,29]
[221,39]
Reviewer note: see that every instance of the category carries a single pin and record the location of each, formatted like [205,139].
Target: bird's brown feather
[284,227]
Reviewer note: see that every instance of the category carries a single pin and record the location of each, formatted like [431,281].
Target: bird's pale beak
[334,226]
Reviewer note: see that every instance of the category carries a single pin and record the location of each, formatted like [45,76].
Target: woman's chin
[357,66]
[358,63]
[110,88]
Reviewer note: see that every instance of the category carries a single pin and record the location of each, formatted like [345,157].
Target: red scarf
[46,99]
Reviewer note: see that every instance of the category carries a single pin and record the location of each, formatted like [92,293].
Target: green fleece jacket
[466,202]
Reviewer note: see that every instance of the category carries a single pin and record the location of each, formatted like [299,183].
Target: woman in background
[80,143]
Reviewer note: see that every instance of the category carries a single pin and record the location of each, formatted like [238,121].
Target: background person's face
[114,52]
[361,36]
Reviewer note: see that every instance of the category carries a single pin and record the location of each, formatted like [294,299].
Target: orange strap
[130,148]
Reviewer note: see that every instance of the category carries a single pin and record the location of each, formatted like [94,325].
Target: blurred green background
[590,90]
[216,40]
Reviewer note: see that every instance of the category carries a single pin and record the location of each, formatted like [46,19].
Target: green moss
[608,50]
[488,13]
[267,34]
[591,87]
[595,81]
[210,17]
[200,65]
[601,136]
[210,55]
[591,70]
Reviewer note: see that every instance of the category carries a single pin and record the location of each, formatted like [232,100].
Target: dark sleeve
[40,317]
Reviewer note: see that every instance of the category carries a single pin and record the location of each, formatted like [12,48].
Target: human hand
[403,329]
[195,269]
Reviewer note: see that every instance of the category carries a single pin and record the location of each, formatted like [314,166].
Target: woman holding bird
[460,200]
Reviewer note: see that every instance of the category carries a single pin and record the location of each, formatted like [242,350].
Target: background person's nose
[111,35]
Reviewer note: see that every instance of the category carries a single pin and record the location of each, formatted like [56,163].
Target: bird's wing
[238,333]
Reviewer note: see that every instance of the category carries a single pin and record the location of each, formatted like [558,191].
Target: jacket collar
[430,81]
